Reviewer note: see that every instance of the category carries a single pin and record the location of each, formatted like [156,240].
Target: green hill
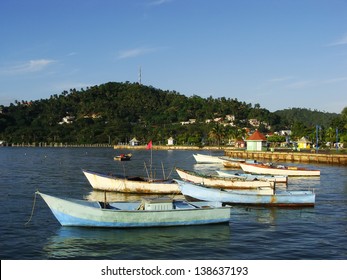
[117,112]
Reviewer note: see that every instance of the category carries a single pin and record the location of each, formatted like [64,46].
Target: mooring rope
[32,210]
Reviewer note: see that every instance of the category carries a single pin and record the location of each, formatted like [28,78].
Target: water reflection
[207,168]
[141,243]
[271,215]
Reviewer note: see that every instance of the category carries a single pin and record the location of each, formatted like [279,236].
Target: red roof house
[256,142]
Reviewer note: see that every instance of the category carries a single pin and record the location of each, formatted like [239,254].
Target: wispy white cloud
[135,52]
[280,79]
[28,67]
[335,80]
[302,84]
[276,81]
[315,83]
[158,2]
[341,41]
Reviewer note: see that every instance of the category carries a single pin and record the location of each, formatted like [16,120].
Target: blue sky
[278,53]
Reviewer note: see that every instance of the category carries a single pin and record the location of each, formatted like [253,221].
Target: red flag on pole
[149,145]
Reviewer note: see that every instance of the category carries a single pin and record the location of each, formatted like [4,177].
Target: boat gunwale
[291,172]
[260,165]
[308,194]
[238,183]
[84,204]
[129,178]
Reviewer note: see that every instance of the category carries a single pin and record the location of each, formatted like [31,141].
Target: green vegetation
[114,113]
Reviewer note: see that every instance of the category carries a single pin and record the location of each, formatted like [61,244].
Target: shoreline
[272,156]
[168,147]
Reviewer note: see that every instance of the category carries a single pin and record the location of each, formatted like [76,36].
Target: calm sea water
[252,233]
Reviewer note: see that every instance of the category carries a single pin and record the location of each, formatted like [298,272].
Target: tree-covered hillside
[306,116]
[117,112]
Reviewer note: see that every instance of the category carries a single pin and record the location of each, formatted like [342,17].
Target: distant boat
[273,198]
[145,213]
[259,168]
[252,177]
[123,157]
[226,161]
[201,158]
[128,184]
[219,182]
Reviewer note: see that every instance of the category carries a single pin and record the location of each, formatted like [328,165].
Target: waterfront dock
[289,156]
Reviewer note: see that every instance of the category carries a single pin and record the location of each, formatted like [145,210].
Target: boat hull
[71,212]
[279,198]
[123,157]
[105,182]
[251,177]
[220,182]
[231,164]
[268,170]
[200,158]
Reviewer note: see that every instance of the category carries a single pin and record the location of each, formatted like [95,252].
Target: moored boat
[271,169]
[127,184]
[280,198]
[145,213]
[123,157]
[216,181]
[201,158]
[252,177]
[232,162]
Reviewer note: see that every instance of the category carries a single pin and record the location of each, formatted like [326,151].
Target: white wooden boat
[232,162]
[252,177]
[145,213]
[276,198]
[201,158]
[129,184]
[220,182]
[270,169]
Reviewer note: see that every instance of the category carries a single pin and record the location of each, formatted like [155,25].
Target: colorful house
[304,143]
[170,141]
[134,142]
[256,142]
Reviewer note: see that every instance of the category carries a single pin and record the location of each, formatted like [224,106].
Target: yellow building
[303,143]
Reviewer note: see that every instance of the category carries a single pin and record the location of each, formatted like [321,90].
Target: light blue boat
[145,213]
[253,177]
[274,198]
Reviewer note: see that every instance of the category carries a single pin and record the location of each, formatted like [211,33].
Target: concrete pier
[289,156]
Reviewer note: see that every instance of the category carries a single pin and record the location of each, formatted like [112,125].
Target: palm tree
[231,133]
[330,135]
[217,133]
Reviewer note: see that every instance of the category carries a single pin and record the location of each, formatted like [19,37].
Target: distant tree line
[116,112]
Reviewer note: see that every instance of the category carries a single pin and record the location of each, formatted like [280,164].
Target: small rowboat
[201,158]
[252,177]
[145,213]
[278,198]
[219,182]
[123,157]
[226,161]
[128,184]
[270,169]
